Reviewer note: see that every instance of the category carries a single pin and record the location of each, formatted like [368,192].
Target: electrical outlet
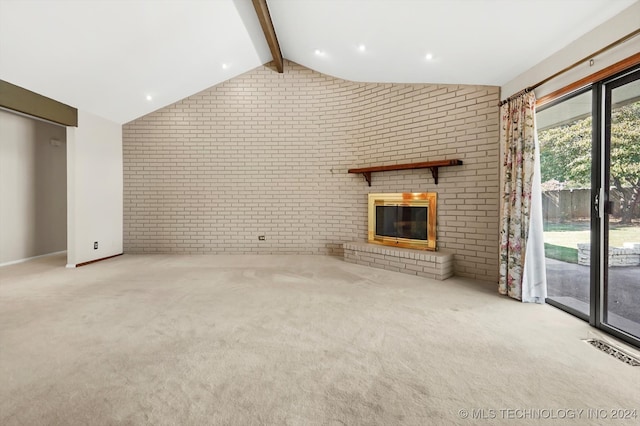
[95,245]
[261,237]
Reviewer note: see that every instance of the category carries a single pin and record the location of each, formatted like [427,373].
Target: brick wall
[407,123]
[267,154]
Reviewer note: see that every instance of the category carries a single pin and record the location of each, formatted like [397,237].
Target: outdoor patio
[568,283]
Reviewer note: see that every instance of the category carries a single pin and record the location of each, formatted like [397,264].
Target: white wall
[603,35]
[94,191]
[33,207]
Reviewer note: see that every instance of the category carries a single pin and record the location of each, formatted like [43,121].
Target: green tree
[625,157]
[565,155]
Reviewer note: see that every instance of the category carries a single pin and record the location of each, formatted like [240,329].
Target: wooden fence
[575,204]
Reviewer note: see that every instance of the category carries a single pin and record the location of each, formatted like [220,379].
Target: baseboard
[13,262]
[77,265]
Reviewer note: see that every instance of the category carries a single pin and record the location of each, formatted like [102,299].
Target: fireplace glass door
[406,219]
[402,222]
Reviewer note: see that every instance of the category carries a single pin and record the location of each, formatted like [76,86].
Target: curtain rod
[572,66]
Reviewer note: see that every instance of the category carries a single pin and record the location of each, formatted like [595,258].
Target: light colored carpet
[300,340]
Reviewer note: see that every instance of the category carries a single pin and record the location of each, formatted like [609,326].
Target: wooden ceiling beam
[269,32]
[27,102]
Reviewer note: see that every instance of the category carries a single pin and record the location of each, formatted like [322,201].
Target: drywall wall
[614,29]
[268,153]
[94,192]
[33,194]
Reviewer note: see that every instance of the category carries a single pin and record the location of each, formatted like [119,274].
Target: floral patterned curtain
[522,268]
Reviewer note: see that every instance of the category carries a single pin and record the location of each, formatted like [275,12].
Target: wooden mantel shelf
[433,165]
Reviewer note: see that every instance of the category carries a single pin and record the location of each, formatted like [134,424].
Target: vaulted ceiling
[121,59]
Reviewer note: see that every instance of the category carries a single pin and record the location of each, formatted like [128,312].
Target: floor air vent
[622,356]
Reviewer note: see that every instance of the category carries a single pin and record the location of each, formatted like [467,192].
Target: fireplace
[403,220]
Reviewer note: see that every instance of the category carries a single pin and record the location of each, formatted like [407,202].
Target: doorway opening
[33,188]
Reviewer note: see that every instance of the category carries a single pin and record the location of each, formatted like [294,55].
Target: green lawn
[561,240]
[564,254]
[567,235]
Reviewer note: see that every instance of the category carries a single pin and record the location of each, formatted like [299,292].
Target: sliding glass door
[565,136]
[621,218]
[590,163]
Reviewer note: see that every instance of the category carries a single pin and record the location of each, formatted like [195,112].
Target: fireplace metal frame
[417,199]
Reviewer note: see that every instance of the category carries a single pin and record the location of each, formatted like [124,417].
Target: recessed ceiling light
[429,56]
[362,47]
[319,52]
[225,66]
[149,98]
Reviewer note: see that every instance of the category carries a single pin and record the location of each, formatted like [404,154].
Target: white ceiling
[106,56]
